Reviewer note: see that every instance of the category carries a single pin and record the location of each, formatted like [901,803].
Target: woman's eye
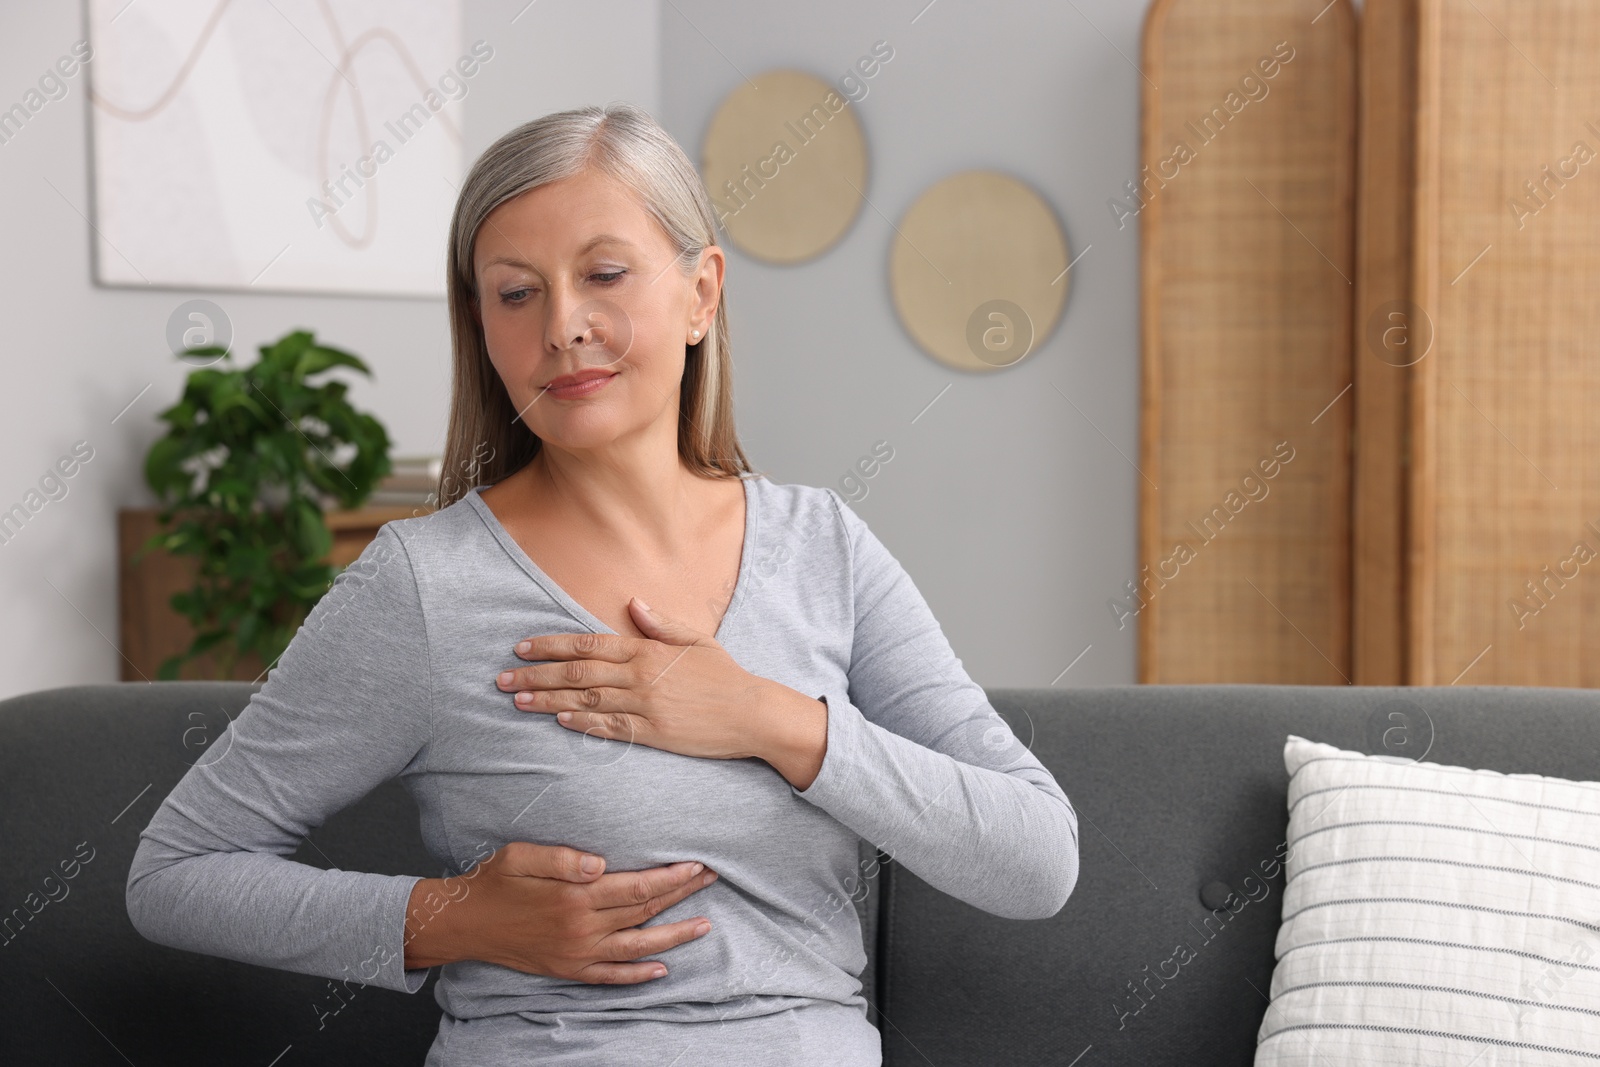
[518,296]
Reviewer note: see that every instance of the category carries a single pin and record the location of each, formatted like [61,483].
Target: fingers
[614,647]
[551,861]
[610,725]
[620,973]
[634,914]
[635,887]
[634,942]
[566,674]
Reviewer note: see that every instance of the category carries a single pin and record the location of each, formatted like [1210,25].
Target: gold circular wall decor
[978,270]
[786,165]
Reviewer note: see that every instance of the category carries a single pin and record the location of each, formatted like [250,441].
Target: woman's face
[576,278]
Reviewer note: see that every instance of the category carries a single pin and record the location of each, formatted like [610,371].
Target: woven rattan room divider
[1433,277]
[1246,207]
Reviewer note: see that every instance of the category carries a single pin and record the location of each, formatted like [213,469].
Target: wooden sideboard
[151,631]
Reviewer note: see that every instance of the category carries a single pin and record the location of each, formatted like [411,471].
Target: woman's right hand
[533,908]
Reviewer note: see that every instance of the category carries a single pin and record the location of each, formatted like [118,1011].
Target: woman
[544,664]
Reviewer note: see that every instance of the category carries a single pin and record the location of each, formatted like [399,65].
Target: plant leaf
[318,358]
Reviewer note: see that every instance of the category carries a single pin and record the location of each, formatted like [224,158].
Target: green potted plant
[251,459]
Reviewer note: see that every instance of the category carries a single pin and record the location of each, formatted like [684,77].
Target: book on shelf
[412,480]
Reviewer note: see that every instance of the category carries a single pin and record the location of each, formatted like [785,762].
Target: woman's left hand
[675,689]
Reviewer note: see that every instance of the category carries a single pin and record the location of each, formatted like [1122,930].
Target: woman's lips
[584,388]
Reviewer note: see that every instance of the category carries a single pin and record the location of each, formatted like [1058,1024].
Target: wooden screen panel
[1389,334]
[1247,259]
[1505,492]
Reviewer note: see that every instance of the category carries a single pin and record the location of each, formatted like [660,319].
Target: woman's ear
[708,284]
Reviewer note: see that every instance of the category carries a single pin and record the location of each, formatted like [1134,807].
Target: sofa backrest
[85,768]
[1175,787]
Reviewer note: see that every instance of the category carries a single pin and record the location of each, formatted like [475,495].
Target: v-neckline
[583,614]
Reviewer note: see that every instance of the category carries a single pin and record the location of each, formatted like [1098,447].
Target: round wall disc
[786,166]
[978,270]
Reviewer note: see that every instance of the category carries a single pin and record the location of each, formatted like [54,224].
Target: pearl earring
[694,334]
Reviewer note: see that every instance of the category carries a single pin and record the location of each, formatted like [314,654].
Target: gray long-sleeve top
[393,673]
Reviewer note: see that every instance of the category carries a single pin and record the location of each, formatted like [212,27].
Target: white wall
[77,354]
[1015,515]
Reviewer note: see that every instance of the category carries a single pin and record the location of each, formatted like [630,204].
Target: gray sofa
[1180,793]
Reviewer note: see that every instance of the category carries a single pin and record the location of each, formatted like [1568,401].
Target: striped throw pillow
[1434,915]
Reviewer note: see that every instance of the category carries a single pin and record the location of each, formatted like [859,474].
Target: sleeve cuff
[385,963]
[834,778]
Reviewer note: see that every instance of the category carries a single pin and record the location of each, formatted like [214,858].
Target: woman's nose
[566,326]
